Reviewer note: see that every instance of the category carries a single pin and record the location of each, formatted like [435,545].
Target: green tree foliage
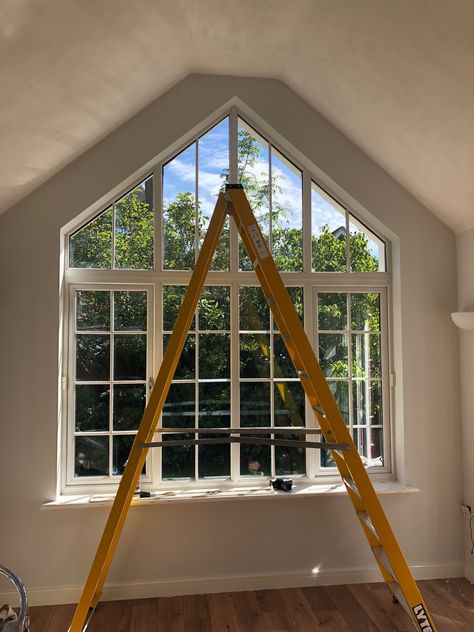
[91,246]
[180,232]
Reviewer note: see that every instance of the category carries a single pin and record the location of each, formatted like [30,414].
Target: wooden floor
[356,607]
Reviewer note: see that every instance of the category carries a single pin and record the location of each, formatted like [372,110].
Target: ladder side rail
[113,528]
[318,392]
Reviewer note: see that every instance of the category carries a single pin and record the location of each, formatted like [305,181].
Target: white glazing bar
[307,235]
[272,391]
[196,386]
[234,378]
[158,217]
[309,294]
[348,250]
[386,370]
[349,373]
[233,178]
[111,377]
[196,202]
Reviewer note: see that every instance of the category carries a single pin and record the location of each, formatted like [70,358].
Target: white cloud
[178,168]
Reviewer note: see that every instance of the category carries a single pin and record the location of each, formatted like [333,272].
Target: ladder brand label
[422,618]
[258,241]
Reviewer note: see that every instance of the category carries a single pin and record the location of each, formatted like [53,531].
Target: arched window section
[127,270]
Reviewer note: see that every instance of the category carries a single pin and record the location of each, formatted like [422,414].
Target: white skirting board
[469,572]
[169,588]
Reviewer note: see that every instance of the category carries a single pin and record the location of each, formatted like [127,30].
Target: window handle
[151,383]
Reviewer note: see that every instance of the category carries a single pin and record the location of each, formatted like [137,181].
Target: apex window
[127,270]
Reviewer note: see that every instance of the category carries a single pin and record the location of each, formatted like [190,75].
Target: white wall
[465,246]
[54,548]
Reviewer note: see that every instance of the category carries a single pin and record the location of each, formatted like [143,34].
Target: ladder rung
[383,559]
[350,483]
[365,519]
[398,593]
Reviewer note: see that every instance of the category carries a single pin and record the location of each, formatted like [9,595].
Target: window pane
[290,460]
[179,211]
[254,355]
[179,412]
[297,298]
[92,357]
[130,311]
[173,296]
[214,356]
[91,245]
[91,456]
[254,174]
[365,311]
[367,251]
[179,408]
[121,450]
[186,369]
[253,309]
[287,214]
[92,311]
[282,363]
[376,409]
[255,460]
[340,390]
[134,228]
[332,311]
[92,408]
[214,308]
[214,405]
[333,355]
[130,357]
[367,402]
[360,439]
[255,404]
[129,404]
[328,232]
[213,156]
[214,412]
[289,404]
[376,447]
[366,355]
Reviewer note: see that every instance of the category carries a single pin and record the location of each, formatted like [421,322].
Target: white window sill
[212,495]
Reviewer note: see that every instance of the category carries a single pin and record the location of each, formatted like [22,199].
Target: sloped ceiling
[396,76]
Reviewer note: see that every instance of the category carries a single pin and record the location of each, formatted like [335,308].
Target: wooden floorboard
[350,608]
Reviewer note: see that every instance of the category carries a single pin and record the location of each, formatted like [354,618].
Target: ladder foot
[394,599]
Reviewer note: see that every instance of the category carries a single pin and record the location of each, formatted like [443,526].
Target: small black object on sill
[283,484]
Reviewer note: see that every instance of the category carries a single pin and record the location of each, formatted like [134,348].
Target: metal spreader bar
[289,443]
[337,438]
[292,430]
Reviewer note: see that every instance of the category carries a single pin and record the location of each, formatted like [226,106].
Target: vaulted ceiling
[396,76]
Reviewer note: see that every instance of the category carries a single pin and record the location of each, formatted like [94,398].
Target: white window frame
[153,280]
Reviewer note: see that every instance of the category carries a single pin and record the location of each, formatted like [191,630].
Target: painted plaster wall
[54,548]
[465,245]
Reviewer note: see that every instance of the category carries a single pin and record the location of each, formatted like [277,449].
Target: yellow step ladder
[337,438]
